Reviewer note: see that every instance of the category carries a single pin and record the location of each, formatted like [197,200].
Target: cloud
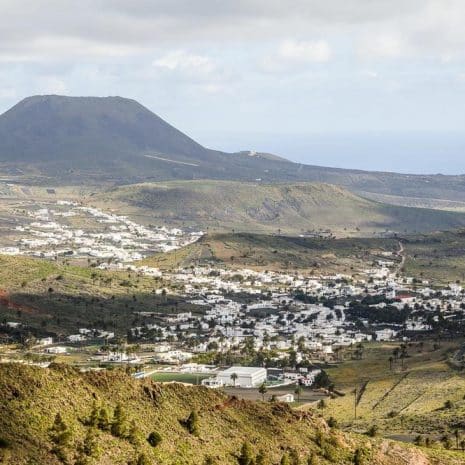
[317,51]
[293,55]
[384,46]
[184,62]
[119,28]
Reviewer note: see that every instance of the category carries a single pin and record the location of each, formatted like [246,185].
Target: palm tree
[298,391]
[391,360]
[263,390]
[234,378]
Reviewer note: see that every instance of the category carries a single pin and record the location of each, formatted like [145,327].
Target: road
[401,254]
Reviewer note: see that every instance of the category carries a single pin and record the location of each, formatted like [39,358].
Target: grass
[289,208]
[405,401]
[189,378]
[246,250]
[31,397]
[59,299]
[439,257]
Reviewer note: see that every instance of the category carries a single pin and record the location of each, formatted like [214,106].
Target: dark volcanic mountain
[50,127]
[115,139]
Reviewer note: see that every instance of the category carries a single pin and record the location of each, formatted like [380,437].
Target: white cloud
[293,55]
[317,51]
[185,62]
[383,46]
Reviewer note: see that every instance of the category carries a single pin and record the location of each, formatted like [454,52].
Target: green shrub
[119,427]
[154,439]
[246,457]
[4,443]
[192,423]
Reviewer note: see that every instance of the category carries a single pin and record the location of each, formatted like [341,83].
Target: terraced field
[407,401]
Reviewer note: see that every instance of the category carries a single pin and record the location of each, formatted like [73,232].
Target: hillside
[257,251]
[405,398]
[90,140]
[30,399]
[58,299]
[271,208]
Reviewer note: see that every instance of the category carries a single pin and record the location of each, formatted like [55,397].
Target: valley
[180,297]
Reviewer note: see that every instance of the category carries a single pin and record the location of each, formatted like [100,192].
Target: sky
[369,84]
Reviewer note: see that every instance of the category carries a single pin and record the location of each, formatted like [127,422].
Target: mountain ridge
[90,140]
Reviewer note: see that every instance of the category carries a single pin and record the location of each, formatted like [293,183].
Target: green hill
[106,417]
[271,208]
[259,251]
[57,299]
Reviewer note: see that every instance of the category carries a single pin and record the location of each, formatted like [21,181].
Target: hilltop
[291,208]
[31,398]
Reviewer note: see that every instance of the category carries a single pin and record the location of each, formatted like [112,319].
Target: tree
[94,416]
[372,431]
[246,455]
[103,422]
[141,459]
[59,432]
[234,377]
[134,435]
[359,457]
[90,446]
[154,439]
[298,392]
[192,423]
[61,436]
[448,404]
[119,425]
[313,459]
[263,390]
[321,404]
[332,422]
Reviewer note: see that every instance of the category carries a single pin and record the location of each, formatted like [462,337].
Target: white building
[242,376]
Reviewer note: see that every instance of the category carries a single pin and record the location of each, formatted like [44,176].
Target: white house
[285,397]
[244,376]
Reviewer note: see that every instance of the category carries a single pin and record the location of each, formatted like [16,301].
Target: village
[248,328]
[262,328]
[75,231]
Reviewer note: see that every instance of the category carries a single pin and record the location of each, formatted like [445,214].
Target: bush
[119,425]
[332,422]
[4,443]
[313,459]
[360,457]
[192,423]
[372,431]
[154,439]
[246,457]
[103,421]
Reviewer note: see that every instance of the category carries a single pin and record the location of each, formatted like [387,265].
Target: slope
[30,399]
[264,252]
[258,207]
